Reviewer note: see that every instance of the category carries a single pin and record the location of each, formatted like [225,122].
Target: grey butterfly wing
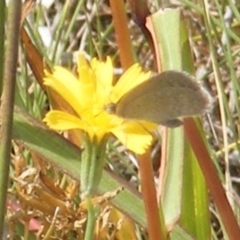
[164,98]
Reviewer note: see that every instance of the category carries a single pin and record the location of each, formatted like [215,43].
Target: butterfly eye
[110,108]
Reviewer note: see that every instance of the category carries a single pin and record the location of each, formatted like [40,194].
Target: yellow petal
[104,73]
[85,72]
[79,96]
[99,75]
[130,79]
[135,136]
[59,120]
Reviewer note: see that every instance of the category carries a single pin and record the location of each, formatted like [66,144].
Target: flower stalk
[93,212]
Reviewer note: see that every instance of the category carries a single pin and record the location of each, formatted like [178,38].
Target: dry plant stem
[140,12]
[214,185]
[163,158]
[34,58]
[156,228]
[122,33]
[2,25]
[9,75]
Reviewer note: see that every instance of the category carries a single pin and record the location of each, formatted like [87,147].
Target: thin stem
[2,34]
[155,219]
[9,75]
[91,220]
[122,33]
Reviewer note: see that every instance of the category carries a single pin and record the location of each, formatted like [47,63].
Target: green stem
[93,212]
[2,34]
[10,66]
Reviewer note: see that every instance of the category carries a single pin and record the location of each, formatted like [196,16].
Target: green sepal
[92,163]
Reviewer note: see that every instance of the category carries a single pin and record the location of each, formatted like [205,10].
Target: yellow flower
[89,94]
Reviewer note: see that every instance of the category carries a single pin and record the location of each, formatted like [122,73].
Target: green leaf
[184,196]
[195,217]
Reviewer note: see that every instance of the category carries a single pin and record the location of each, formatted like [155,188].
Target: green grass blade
[183,179]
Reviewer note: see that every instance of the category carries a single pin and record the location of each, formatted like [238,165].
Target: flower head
[89,94]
